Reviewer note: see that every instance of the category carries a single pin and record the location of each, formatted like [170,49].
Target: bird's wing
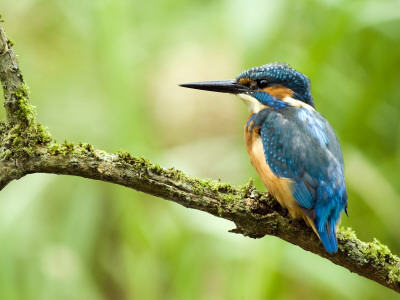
[301,145]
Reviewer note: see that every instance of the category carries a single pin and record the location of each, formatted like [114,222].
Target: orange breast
[280,188]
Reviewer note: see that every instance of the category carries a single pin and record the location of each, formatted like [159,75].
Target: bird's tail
[327,234]
[327,220]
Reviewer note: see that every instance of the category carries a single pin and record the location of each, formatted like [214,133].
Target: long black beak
[221,86]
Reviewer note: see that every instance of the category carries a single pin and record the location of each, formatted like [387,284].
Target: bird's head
[275,85]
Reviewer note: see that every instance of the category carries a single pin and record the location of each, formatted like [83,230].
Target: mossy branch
[16,101]
[26,147]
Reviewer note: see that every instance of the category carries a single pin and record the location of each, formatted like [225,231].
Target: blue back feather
[301,145]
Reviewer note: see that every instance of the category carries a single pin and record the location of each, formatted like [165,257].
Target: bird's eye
[262,83]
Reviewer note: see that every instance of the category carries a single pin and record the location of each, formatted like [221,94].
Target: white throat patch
[297,103]
[252,103]
[255,106]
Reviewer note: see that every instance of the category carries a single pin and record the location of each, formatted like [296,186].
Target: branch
[15,90]
[26,147]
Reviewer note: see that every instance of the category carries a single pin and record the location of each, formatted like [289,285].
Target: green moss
[26,112]
[3,128]
[213,185]
[348,242]
[23,142]
[220,211]
[125,157]
[346,234]
[42,135]
[156,169]
[86,148]
[225,190]
[374,253]
[69,148]
[145,165]
[247,188]
[138,162]
[201,187]
[175,174]
[5,154]
[394,275]
[377,253]
[380,255]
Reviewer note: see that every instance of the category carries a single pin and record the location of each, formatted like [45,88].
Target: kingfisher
[293,148]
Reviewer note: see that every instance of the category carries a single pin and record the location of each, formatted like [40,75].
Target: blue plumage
[306,150]
[299,144]
[293,147]
[280,73]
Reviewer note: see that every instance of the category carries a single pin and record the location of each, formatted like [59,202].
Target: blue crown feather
[282,74]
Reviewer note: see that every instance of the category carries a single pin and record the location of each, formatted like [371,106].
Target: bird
[292,147]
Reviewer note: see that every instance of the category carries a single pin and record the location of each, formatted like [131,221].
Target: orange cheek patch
[245,81]
[279,91]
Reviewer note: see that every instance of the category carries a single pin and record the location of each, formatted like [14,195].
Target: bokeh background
[106,72]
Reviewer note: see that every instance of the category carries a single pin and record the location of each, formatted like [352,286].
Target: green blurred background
[107,73]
